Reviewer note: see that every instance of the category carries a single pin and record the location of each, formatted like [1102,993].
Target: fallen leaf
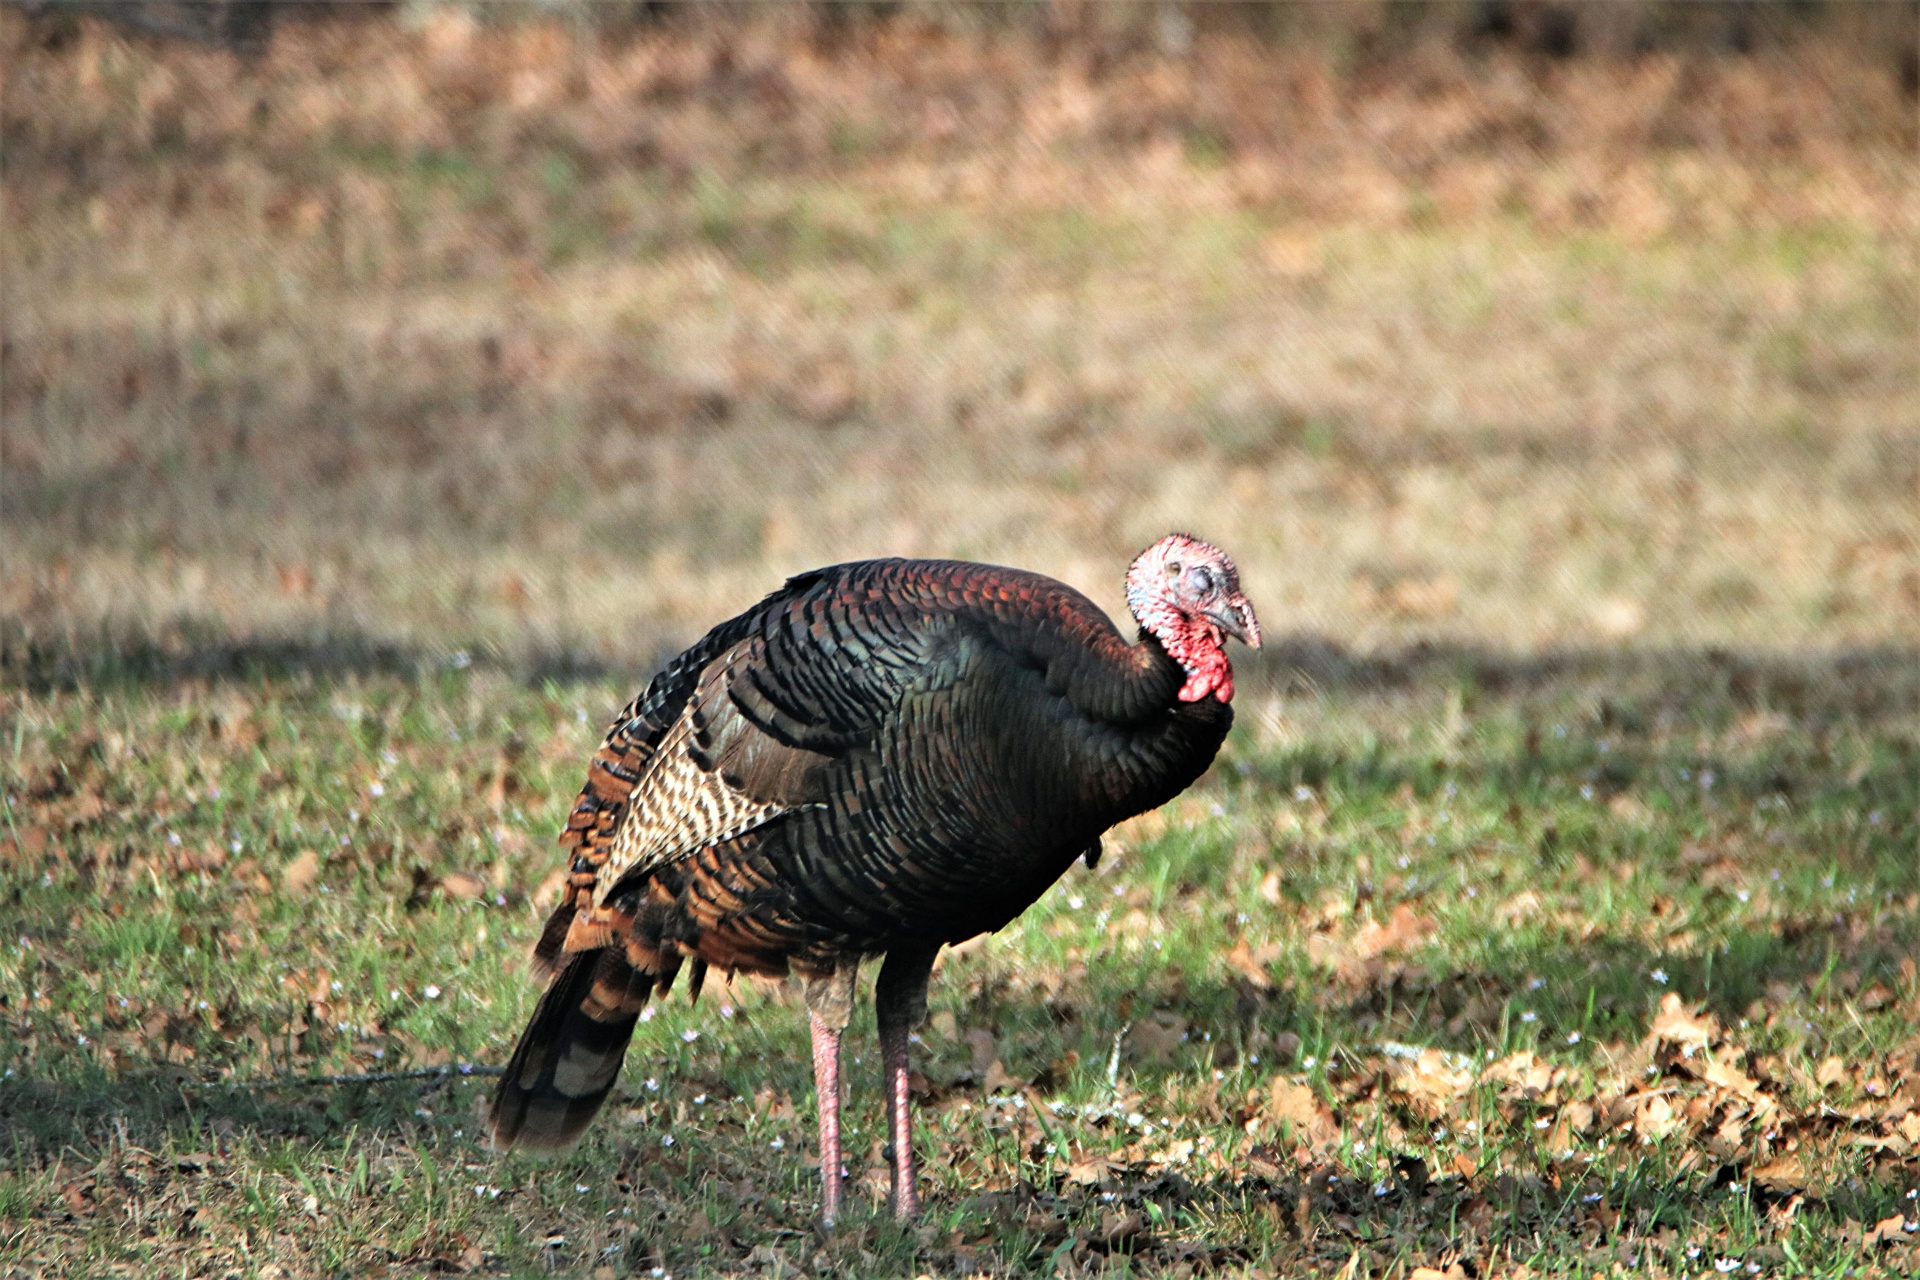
[980,1043]
[1832,1072]
[299,875]
[1403,929]
[1090,1170]
[998,1078]
[1430,1085]
[1655,1119]
[548,892]
[1521,906]
[1886,1231]
[1676,1024]
[1732,1080]
[460,884]
[1251,965]
[1784,1174]
[1522,1074]
[1295,1105]
[1159,1037]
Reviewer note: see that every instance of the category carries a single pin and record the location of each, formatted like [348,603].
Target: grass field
[469,335]
[378,406]
[1451,961]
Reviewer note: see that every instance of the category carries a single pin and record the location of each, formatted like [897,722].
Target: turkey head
[1186,594]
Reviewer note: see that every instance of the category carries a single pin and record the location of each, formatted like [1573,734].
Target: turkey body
[876,759]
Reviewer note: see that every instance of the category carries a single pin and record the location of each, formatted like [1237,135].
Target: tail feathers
[570,1054]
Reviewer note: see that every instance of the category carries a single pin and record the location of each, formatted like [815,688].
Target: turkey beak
[1237,620]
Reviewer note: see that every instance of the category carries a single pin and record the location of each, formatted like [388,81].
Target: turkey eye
[1202,580]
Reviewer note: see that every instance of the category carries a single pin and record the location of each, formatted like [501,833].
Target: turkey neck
[1171,747]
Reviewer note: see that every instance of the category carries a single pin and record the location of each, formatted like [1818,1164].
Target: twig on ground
[368,1077]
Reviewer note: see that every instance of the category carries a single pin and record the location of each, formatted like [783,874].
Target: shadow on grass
[1866,684]
[76,1105]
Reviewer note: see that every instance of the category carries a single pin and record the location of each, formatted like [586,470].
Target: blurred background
[553,333]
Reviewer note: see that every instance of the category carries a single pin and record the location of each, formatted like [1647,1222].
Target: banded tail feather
[570,1054]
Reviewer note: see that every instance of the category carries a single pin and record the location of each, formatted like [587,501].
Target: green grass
[1439,850]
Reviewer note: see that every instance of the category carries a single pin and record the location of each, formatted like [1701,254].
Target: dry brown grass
[470,334]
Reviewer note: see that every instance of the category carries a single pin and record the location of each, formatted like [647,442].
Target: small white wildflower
[432,992]
[581,1187]
[1528,1015]
[1659,976]
[689,1035]
[726,1011]
[778,1144]
[1534,984]
[394,994]
[1075,902]
[173,837]
[1307,1063]
[646,1014]
[1586,791]
[666,1140]
[377,789]
[652,1084]
[1573,1037]
[1726,1265]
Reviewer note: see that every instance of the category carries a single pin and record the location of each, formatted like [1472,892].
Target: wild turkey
[877,759]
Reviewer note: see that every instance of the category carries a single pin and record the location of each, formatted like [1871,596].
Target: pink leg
[826,1092]
[893,1052]
[900,1005]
